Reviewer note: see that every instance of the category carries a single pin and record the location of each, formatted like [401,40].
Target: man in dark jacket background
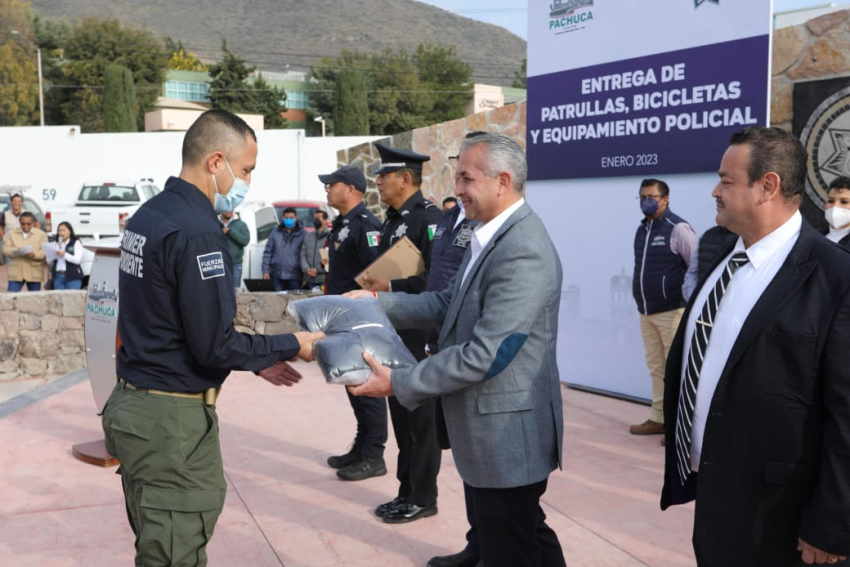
[282,256]
[664,245]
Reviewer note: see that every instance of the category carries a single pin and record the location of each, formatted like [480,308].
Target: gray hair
[503,154]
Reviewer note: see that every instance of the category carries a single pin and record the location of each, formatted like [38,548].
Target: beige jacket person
[24,268]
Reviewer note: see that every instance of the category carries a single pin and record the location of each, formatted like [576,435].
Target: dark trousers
[418,453]
[472,544]
[512,527]
[371,416]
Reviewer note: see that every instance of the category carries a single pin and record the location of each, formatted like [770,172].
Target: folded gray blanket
[351,326]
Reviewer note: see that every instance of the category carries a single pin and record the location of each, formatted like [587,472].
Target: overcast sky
[511,14]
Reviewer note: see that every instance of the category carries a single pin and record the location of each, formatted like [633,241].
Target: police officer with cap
[352,246]
[178,344]
[409,214]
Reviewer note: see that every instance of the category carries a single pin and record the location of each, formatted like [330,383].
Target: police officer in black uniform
[412,215]
[352,246]
[177,304]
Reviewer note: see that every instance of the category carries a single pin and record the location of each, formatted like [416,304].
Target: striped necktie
[699,344]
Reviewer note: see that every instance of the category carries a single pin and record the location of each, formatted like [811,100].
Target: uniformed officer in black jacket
[352,246]
[176,307]
[409,214]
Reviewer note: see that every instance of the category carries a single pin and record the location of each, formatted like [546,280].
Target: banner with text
[670,109]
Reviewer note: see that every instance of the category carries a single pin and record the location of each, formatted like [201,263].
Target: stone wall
[42,333]
[818,49]
[438,141]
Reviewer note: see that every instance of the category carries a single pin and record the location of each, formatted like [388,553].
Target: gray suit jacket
[496,370]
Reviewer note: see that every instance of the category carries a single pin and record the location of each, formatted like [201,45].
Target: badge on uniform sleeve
[211,265]
[463,237]
[374,238]
[440,233]
[431,229]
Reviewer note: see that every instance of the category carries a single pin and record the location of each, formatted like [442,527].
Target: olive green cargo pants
[171,471]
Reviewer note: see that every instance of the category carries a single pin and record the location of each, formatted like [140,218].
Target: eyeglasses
[648,197]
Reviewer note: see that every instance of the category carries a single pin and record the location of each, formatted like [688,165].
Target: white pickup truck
[101,211]
[102,208]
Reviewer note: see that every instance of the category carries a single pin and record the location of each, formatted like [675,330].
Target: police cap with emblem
[347,174]
[393,159]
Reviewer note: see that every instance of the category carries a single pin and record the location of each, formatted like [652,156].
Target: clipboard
[402,260]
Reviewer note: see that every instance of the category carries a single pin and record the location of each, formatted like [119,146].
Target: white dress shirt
[484,233]
[74,258]
[748,283]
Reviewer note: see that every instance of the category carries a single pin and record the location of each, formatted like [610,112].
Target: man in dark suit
[757,388]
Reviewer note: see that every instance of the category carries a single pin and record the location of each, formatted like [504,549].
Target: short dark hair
[449,200]
[415,175]
[27,215]
[18,195]
[840,183]
[776,150]
[289,210]
[215,129]
[663,188]
[321,212]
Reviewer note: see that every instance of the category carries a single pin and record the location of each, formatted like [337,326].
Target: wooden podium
[102,340]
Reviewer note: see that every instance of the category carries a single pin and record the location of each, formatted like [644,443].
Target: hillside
[276,35]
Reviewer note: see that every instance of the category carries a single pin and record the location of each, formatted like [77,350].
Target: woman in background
[67,273]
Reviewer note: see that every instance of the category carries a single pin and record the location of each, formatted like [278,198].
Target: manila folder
[400,261]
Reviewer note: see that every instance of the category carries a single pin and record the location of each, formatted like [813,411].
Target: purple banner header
[667,113]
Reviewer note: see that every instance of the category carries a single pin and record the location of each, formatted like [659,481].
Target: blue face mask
[234,197]
[649,206]
[289,223]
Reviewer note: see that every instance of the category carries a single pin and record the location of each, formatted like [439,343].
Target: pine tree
[351,112]
[119,100]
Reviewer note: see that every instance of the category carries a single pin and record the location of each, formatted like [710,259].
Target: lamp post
[40,82]
[322,120]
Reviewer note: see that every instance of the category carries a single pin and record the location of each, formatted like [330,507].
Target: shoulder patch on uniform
[211,265]
[373,237]
[431,229]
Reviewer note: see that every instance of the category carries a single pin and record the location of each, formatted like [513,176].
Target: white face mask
[234,197]
[837,217]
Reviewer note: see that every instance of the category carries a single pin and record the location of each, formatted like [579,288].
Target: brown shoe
[648,427]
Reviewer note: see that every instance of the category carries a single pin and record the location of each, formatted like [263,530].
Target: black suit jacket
[775,461]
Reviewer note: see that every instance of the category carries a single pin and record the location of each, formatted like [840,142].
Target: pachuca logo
[826,137]
[98,295]
[569,15]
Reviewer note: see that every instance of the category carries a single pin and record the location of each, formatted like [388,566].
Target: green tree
[351,114]
[94,44]
[51,37]
[398,102]
[323,77]
[18,65]
[270,102]
[447,77]
[520,81]
[119,100]
[229,89]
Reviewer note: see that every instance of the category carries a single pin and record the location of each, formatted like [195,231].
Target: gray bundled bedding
[351,326]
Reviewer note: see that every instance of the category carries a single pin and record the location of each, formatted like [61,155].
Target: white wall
[60,157]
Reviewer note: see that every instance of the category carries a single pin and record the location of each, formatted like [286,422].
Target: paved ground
[286,507]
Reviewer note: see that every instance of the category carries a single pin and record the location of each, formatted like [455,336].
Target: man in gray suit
[496,370]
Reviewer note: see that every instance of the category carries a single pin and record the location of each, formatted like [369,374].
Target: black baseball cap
[347,174]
